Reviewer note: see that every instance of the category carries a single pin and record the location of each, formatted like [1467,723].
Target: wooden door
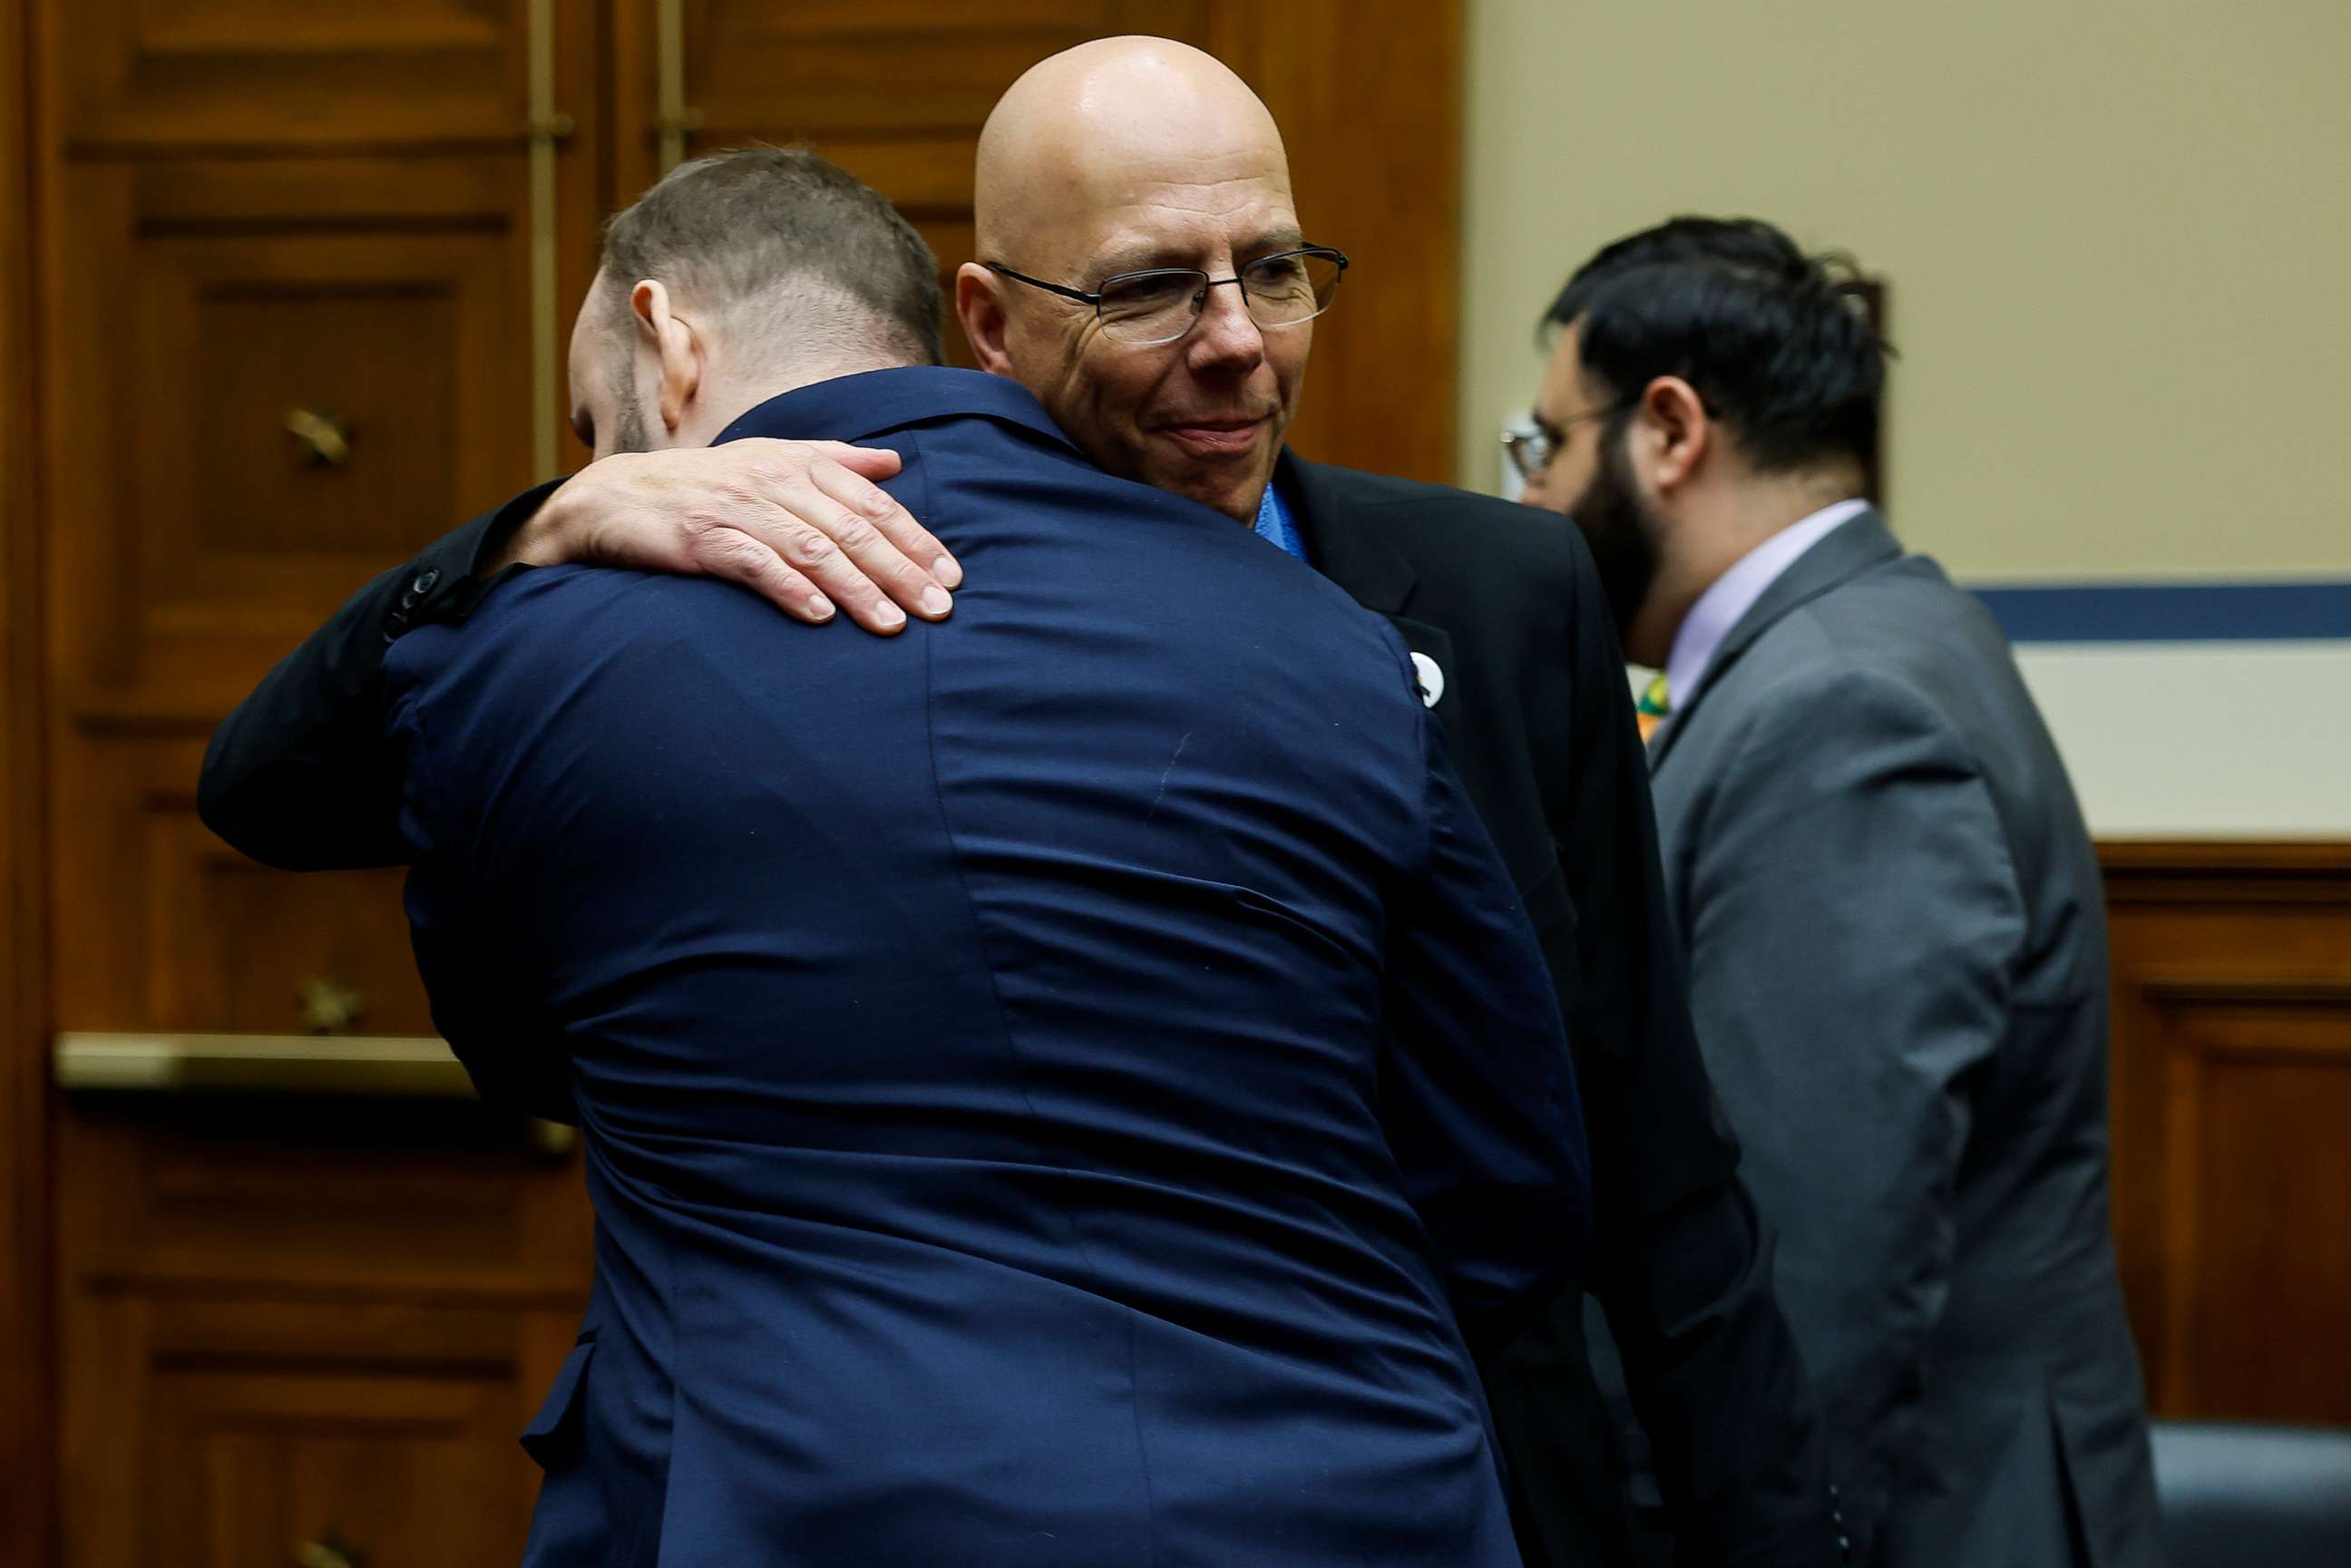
[298,300]
[1367,96]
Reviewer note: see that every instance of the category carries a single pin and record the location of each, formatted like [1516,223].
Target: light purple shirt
[1734,593]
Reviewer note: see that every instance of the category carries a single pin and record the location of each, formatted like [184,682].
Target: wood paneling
[28,1448]
[222,303]
[193,937]
[288,305]
[294,1320]
[1369,102]
[2231,975]
[173,73]
[255,1429]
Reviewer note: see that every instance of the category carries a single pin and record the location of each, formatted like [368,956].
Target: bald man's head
[1081,132]
[1128,155]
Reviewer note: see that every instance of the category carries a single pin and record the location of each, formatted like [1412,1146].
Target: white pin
[1431,679]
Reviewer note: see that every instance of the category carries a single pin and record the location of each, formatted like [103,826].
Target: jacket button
[424,582]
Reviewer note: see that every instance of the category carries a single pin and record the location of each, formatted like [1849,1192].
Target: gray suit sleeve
[1855,921]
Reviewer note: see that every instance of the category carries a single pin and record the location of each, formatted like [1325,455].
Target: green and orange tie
[1651,710]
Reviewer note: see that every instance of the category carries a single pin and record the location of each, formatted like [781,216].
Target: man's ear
[675,342]
[1675,431]
[979,302]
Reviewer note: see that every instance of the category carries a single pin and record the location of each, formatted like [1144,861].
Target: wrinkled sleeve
[1478,1090]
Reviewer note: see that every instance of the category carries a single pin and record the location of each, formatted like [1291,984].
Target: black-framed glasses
[1531,450]
[1161,304]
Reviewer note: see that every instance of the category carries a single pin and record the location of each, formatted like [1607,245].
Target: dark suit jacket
[1048,1102]
[1505,601]
[1898,965]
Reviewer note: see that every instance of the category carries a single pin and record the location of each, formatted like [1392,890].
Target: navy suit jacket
[1072,1085]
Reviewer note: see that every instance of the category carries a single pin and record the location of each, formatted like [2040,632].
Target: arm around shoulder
[299,775]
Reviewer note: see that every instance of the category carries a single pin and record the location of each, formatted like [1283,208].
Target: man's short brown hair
[768,223]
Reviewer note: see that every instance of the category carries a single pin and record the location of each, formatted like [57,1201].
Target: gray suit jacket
[1898,969]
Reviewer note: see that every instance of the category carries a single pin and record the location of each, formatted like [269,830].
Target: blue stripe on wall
[2172,612]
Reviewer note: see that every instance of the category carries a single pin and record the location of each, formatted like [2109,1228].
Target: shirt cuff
[446,581]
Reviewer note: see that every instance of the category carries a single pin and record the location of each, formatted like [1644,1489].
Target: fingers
[893,550]
[747,563]
[803,525]
[847,473]
[873,462]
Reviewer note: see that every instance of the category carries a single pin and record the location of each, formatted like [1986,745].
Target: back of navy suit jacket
[1058,1085]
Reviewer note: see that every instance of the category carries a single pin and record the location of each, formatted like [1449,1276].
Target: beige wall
[2117,234]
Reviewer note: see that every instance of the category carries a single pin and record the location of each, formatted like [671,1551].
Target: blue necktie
[1274,527]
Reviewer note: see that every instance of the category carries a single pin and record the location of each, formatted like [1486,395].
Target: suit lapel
[1358,558]
[1850,550]
[1376,574]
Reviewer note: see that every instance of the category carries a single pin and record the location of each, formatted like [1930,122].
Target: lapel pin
[1431,679]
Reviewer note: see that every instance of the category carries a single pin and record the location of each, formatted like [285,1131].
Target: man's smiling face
[1120,156]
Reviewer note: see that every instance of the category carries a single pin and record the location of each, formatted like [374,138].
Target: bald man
[1144,273]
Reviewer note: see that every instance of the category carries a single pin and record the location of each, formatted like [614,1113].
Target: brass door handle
[331,1007]
[327,439]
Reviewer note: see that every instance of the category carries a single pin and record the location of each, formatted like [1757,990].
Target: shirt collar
[1275,526]
[1734,593]
[851,408]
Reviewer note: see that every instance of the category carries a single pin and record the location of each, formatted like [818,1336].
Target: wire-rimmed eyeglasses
[1161,304]
[1531,448]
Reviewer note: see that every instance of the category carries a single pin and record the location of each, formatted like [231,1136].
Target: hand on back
[800,523]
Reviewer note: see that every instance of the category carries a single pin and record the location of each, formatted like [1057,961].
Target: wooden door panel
[180,73]
[367,1203]
[205,343]
[757,68]
[2232,1080]
[235,1433]
[189,936]
[165,928]
[2274,1092]
[753,68]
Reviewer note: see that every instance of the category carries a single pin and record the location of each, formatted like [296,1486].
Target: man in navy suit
[1083,1092]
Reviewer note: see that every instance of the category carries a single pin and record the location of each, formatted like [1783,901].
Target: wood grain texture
[285,1316]
[1369,101]
[228,1434]
[2232,1086]
[273,1318]
[142,79]
[27,1404]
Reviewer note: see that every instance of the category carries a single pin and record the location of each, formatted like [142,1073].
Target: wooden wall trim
[28,1408]
[2231,1187]
[2151,871]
